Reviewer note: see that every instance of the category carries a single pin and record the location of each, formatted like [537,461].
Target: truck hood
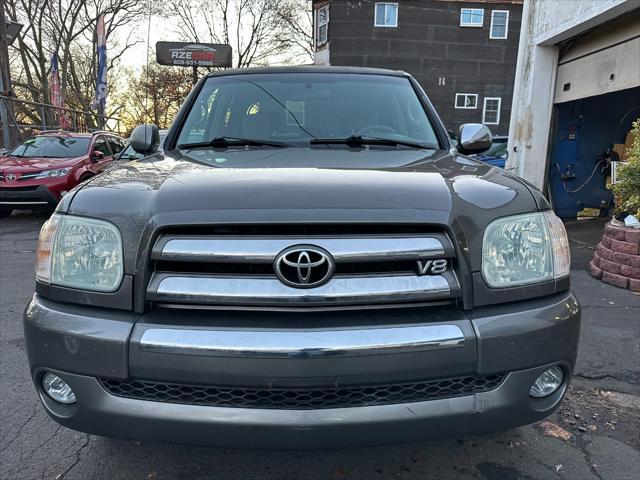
[301,185]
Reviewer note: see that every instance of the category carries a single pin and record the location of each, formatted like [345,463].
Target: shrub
[627,186]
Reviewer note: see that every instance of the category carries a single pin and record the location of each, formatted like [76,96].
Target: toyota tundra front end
[309,263]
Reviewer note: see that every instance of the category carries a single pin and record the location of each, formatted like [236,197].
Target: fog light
[547,383]
[58,389]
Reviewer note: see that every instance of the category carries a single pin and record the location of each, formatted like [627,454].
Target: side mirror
[473,138]
[145,139]
[97,155]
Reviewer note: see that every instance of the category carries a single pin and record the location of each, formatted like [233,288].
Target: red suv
[40,171]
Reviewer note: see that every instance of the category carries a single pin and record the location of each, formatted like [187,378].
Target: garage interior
[597,99]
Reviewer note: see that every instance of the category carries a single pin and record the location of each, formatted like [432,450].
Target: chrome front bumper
[301,344]
[306,351]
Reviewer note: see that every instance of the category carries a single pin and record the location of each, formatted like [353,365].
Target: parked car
[40,171]
[308,264]
[130,154]
[497,154]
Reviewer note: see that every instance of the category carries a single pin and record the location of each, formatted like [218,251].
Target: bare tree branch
[259,31]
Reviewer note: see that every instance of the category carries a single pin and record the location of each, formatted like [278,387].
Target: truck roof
[309,69]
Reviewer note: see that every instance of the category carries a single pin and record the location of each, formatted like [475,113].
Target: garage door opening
[597,98]
[585,133]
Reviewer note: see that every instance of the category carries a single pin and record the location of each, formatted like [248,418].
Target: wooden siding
[429,44]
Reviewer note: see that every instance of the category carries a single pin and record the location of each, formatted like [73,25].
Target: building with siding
[577,94]
[462,52]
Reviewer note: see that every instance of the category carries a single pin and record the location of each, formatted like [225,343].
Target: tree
[153,95]
[68,27]
[259,31]
[297,17]
[627,188]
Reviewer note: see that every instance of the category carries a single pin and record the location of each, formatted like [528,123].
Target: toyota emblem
[10,177]
[304,266]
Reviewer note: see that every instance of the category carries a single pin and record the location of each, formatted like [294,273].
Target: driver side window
[116,144]
[102,146]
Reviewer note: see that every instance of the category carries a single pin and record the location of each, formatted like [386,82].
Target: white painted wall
[321,57]
[545,23]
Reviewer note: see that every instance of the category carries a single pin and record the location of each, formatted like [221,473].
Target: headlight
[525,249]
[60,172]
[79,252]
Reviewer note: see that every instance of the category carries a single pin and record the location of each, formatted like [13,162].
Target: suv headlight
[79,252]
[525,249]
[60,172]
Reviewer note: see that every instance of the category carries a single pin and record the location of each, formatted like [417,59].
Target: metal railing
[21,119]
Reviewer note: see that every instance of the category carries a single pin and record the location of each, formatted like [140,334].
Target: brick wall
[617,257]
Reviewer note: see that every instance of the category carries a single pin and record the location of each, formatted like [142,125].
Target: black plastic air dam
[502,408]
[302,398]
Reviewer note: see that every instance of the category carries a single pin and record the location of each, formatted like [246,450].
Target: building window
[499,24]
[491,110]
[322,26]
[471,17]
[386,15]
[467,100]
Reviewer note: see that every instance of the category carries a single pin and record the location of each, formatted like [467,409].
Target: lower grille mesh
[301,398]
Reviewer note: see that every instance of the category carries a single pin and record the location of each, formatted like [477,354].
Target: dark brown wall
[429,43]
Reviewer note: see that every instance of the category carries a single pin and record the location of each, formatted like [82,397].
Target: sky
[161,30]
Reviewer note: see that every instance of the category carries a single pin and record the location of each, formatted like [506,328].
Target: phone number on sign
[198,63]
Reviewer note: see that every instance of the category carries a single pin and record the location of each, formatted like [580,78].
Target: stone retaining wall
[617,257]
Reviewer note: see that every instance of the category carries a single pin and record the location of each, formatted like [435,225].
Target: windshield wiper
[224,142]
[358,141]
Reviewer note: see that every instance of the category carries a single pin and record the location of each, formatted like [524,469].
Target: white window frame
[375,15]
[317,29]
[465,95]
[470,24]
[506,25]
[484,110]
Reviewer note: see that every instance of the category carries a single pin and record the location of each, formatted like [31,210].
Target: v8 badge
[432,267]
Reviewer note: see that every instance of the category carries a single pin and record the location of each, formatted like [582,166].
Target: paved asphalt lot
[594,434]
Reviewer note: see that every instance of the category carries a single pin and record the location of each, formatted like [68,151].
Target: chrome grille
[302,398]
[236,270]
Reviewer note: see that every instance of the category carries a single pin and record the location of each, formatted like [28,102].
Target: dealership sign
[185,54]
[13,30]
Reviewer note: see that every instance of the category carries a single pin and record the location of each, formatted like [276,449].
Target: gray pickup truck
[310,263]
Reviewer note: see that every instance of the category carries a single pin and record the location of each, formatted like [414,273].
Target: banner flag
[101,81]
[55,92]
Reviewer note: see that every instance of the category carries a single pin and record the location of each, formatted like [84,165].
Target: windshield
[497,149]
[52,147]
[299,107]
[129,153]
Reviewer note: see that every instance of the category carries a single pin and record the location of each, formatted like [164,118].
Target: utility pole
[6,106]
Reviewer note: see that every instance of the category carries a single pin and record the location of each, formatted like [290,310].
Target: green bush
[627,186]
